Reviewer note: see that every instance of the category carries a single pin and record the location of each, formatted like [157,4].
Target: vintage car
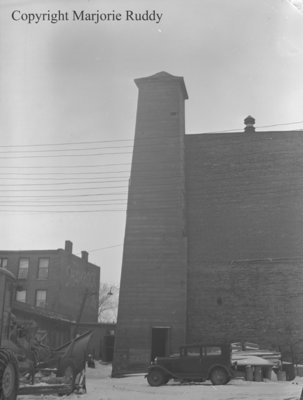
[194,363]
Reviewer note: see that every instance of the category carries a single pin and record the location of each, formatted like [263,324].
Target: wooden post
[249,376]
[267,372]
[258,374]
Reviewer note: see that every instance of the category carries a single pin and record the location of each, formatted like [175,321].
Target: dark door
[159,342]
[108,348]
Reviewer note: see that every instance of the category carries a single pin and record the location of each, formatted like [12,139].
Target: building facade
[54,285]
[214,232]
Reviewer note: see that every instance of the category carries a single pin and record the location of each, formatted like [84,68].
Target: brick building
[214,234]
[51,288]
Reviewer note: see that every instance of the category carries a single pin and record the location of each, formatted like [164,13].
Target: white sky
[73,82]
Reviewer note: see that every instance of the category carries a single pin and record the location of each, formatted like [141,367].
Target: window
[21,296]
[193,351]
[43,268]
[190,351]
[41,298]
[23,268]
[3,262]
[213,351]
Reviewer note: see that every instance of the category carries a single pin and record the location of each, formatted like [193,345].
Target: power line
[46,179]
[155,205]
[105,248]
[26,181]
[193,196]
[67,155]
[150,208]
[64,205]
[65,189]
[68,178]
[256,127]
[148,186]
[282,124]
[82,155]
[65,195]
[85,211]
[65,173]
[129,163]
[161,181]
[66,166]
[60,150]
[67,143]
[63,183]
[161,143]
[63,167]
[59,212]
[64,202]
[138,139]
[149,150]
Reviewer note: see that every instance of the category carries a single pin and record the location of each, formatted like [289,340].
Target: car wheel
[155,378]
[9,377]
[219,376]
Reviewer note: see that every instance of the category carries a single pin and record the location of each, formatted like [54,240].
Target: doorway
[159,342]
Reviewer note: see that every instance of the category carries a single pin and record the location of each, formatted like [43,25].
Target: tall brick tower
[152,306]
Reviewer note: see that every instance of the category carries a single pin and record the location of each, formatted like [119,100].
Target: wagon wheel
[9,377]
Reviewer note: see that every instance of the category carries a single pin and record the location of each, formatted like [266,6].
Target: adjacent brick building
[52,287]
[214,234]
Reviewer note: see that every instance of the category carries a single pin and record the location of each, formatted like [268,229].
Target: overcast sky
[72,82]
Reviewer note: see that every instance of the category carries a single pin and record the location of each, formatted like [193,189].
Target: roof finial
[249,124]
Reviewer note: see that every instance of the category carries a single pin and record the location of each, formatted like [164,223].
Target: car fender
[161,368]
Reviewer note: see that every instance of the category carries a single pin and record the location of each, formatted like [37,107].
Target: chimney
[249,124]
[84,256]
[68,246]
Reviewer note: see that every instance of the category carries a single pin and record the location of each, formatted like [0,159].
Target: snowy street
[101,387]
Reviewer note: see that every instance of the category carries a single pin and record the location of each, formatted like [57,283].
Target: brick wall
[244,197]
[78,279]
[257,301]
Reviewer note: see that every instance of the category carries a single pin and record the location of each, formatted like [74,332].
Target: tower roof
[165,77]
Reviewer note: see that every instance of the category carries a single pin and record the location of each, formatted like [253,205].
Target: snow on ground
[101,387]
